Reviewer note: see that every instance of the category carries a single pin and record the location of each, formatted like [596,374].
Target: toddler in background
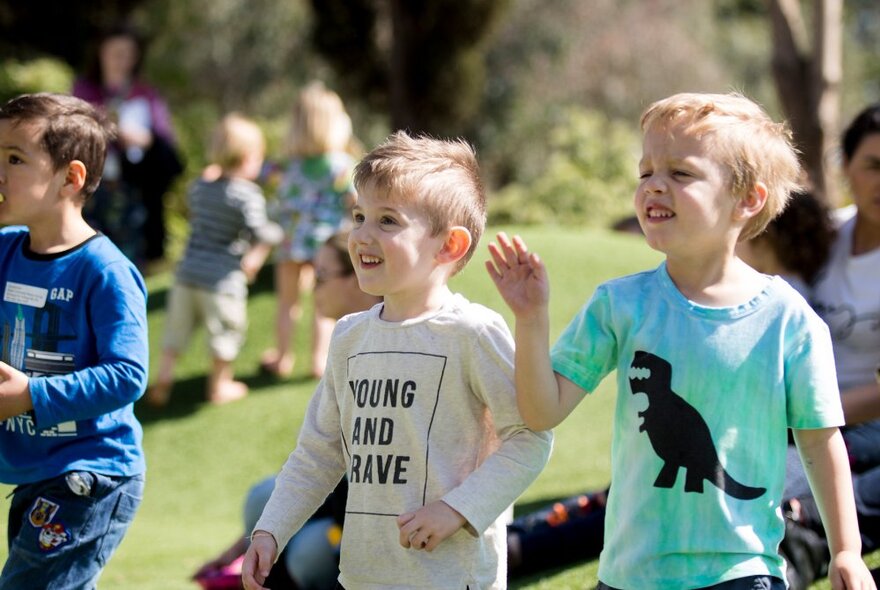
[314,199]
[230,238]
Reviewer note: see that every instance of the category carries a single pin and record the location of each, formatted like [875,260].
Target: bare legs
[221,388]
[291,280]
[279,360]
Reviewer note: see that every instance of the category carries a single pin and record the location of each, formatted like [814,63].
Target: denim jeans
[62,531]
[749,583]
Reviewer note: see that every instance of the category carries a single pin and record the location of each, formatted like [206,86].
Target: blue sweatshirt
[75,322]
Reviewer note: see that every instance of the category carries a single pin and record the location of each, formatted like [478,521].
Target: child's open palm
[519,275]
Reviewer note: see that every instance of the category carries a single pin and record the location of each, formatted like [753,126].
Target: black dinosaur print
[678,433]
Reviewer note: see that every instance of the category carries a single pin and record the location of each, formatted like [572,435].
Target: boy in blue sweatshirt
[73,351]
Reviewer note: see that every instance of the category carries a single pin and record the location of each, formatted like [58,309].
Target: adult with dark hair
[846,291]
[129,205]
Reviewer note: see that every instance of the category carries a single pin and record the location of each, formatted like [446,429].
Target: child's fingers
[508,250]
[522,251]
[536,264]
[498,258]
[251,576]
[433,542]
[407,528]
[418,539]
[404,518]
[404,538]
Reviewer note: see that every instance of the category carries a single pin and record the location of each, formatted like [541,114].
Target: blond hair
[233,139]
[441,176]
[319,123]
[748,142]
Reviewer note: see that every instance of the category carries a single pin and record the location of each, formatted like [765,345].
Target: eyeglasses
[324,277]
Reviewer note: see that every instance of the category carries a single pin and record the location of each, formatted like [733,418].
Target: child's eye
[13,159]
[644,175]
[357,217]
[680,173]
[385,220]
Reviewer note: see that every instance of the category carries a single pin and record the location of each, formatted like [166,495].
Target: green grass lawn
[202,459]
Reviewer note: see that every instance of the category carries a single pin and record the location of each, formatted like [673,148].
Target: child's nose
[654,184]
[361,234]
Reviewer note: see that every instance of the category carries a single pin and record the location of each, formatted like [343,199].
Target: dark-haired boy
[73,349]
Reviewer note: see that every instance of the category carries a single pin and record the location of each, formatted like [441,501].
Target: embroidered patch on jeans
[53,536]
[42,512]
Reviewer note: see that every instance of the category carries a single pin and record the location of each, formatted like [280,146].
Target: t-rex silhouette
[678,433]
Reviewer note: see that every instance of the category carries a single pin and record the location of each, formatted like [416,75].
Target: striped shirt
[227,216]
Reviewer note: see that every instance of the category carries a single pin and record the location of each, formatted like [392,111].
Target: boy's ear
[75,179]
[752,202]
[458,242]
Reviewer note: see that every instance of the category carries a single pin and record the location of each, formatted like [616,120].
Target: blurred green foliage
[588,179]
[39,75]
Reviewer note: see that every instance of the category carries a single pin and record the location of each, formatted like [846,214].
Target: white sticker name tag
[25,294]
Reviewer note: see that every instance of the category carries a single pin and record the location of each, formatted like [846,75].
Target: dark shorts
[750,583]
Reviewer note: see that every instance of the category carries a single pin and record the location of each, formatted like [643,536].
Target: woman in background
[847,292]
[142,163]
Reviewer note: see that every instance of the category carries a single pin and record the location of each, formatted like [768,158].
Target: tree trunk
[808,83]
[403,27]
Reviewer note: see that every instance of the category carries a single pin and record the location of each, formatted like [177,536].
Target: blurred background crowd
[498,72]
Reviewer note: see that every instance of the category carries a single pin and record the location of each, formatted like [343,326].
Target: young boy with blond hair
[417,406]
[74,351]
[714,362]
[230,238]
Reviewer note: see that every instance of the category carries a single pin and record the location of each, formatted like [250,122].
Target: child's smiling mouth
[659,213]
[369,261]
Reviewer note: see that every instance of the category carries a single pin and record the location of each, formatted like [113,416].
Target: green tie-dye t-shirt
[699,439]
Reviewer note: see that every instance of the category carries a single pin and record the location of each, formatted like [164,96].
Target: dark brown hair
[802,235]
[72,129]
[864,124]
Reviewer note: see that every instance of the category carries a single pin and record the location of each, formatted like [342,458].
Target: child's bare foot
[276,365]
[158,395]
[228,392]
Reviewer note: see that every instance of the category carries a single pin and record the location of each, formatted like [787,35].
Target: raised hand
[519,275]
